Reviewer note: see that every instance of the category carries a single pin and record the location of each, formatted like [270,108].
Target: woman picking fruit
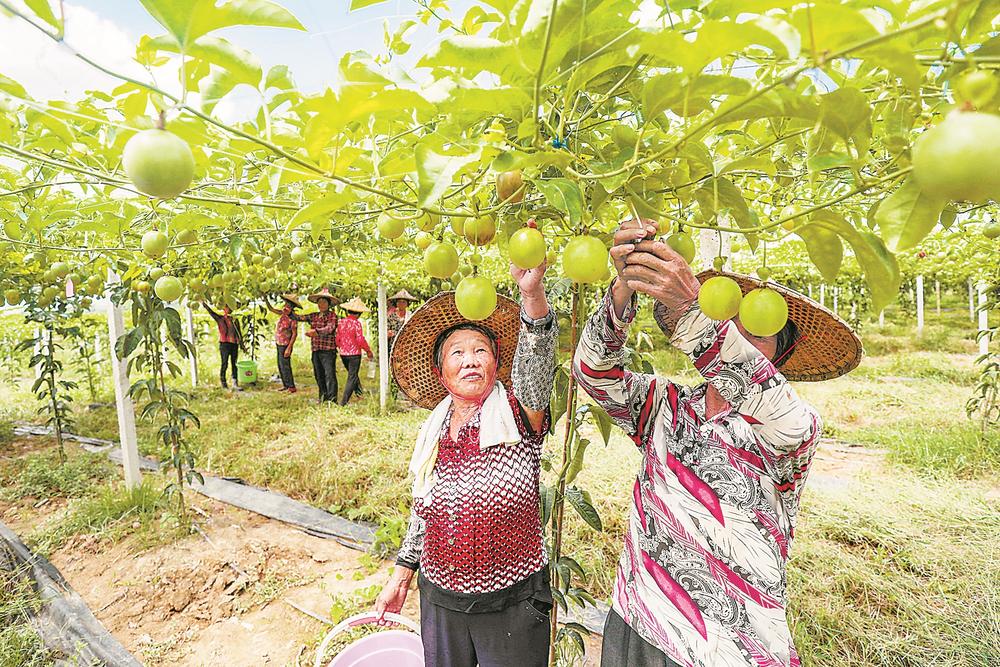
[350,342]
[285,333]
[398,315]
[702,578]
[230,340]
[475,532]
[323,334]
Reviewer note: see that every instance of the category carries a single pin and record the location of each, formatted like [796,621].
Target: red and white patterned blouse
[325,326]
[702,576]
[285,328]
[351,337]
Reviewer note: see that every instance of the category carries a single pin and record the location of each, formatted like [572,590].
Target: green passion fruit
[527,248]
[159,163]
[719,298]
[959,159]
[763,312]
[476,298]
[585,259]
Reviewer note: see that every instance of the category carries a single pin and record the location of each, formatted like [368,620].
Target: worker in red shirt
[350,342]
[323,334]
[230,341]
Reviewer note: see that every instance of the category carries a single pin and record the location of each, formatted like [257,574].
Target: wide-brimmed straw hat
[292,299]
[403,295]
[355,305]
[826,347]
[323,294]
[413,352]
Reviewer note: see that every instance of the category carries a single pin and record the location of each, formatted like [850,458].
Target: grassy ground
[897,568]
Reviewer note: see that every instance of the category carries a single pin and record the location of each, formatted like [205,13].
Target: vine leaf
[563,194]
[43,10]
[825,249]
[435,172]
[580,500]
[187,20]
[906,216]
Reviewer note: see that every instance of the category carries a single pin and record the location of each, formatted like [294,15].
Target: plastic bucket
[247,371]
[389,648]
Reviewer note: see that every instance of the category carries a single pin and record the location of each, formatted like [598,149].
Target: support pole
[810,290]
[920,304]
[881,319]
[984,340]
[123,402]
[98,348]
[836,300]
[383,348]
[822,295]
[37,349]
[972,302]
[194,349]
[937,295]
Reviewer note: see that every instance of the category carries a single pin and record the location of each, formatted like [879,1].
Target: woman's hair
[786,338]
[464,326]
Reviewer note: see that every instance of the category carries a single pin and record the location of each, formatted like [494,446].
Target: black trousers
[325,370]
[515,637]
[352,362]
[228,353]
[623,647]
[285,368]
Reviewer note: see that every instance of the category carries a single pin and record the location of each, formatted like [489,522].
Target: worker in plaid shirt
[323,334]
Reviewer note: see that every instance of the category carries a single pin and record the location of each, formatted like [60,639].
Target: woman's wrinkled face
[287,310]
[467,364]
[323,304]
[768,345]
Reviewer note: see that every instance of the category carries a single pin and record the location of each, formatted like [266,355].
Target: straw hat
[355,305]
[292,299]
[323,294]
[827,346]
[403,295]
[413,352]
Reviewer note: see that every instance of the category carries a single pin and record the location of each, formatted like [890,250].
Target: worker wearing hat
[351,342]
[323,334]
[702,579]
[398,314]
[285,333]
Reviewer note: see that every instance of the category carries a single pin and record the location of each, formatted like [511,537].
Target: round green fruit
[159,163]
[186,236]
[458,225]
[476,259]
[683,245]
[788,212]
[12,296]
[389,227]
[959,159]
[476,298]
[423,240]
[585,259]
[977,86]
[155,273]
[480,231]
[763,312]
[763,273]
[428,222]
[60,269]
[141,286]
[719,298]
[299,254]
[446,285]
[169,288]
[992,230]
[12,229]
[527,248]
[440,260]
[50,292]
[154,244]
[45,301]
[719,263]
[508,184]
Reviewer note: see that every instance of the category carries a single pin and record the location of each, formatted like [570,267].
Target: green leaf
[240,63]
[435,172]
[847,112]
[322,207]
[825,249]
[564,195]
[187,20]
[43,10]
[361,4]
[602,420]
[907,215]
[878,264]
[730,200]
[583,507]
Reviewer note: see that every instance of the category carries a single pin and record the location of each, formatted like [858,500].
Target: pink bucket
[391,648]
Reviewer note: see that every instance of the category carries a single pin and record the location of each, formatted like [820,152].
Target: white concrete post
[972,304]
[836,300]
[810,290]
[984,342]
[937,295]
[123,402]
[822,295]
[881,318]
[920,304]
[98,348]
[194,351]
[383,348]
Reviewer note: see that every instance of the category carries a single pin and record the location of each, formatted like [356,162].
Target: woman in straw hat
[350,342]
[398,315]
[475,532]
[323,334]
[285,333]
[702,577]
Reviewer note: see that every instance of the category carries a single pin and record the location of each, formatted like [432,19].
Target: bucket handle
[357,621]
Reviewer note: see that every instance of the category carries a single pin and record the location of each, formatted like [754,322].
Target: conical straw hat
[827,347]
[355,305]
[413,352]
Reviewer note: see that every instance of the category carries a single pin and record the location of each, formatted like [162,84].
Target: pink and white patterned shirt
[702,575]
